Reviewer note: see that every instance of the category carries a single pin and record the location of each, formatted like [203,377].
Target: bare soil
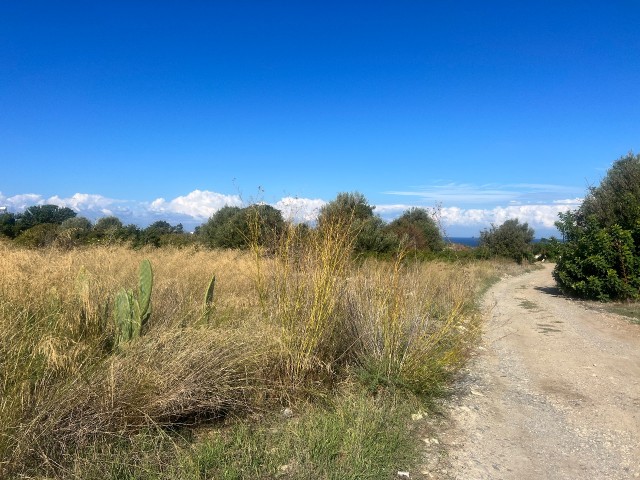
[554,392]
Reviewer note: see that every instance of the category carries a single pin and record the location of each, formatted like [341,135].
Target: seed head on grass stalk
[412,322]
[301,294]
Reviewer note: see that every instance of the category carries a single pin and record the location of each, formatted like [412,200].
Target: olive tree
[512,239]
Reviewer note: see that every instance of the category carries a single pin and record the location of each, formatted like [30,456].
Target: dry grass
[296,319]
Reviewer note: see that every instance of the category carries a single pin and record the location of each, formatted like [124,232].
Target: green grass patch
[629,310]
[355,436]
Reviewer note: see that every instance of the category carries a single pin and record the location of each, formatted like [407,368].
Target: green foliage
[600,258]
[601,263]
[358,437]
[512,239]
[161,233]
[39,214]
[235,227]
[110,230]
[617,199]
[222,229]
[38,236]
[354,211]
[108,224]
[346,206]
[207,305]
[547,248]
[73,232]
[131,311]
[418,229]
[8,225]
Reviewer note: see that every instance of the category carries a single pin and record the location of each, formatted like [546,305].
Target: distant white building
[3,210]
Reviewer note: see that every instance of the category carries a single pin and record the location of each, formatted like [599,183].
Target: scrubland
[307,363]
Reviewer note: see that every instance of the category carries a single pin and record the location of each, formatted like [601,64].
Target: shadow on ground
[553,291]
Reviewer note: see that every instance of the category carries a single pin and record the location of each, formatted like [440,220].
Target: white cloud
[391,210]
[84,202]
[198,204]
[300,209]
[21,202]
[540,216]
[573,202]
[465,194]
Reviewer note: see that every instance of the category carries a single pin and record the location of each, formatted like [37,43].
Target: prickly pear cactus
[145,286]
[133,311]
[208,300]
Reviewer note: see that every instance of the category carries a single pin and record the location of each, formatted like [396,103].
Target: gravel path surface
[554,392]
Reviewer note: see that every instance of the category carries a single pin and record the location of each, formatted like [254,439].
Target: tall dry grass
[62,384]
[295,318]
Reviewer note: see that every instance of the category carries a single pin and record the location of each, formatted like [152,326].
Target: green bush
[600,258]
[547,249]
[38,236]
[418,228]
[512,239]
[371,234]
[603,263]
[235,227]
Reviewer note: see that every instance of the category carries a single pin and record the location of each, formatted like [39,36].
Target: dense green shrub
[235,227]
[600,258]
[547,249]
[371,234]
[512,239]
[8,225]
[42,214]
[418,229]
[38,236]
[617,199]
[601,263]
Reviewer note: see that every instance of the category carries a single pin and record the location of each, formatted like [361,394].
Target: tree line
[598,257]
[229,227]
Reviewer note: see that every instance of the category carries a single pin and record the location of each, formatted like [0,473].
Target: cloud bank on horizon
[533,204]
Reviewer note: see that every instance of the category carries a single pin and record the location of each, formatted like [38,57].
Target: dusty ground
[554,392]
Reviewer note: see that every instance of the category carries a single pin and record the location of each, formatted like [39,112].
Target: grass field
[306,364]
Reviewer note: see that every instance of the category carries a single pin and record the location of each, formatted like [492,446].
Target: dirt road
[554,392]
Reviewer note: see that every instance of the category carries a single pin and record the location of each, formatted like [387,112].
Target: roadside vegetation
[301,358]
[600,256]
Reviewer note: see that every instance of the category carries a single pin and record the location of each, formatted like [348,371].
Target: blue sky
[169,110]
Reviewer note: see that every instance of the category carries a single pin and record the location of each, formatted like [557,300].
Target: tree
[512,239]
[600,258]
[416,227]
[223,228]
[616,201]
[346,206]
[352,211]
[235,227]
[38,236]
[38,214]
[108,230]
[8,225]
[160,232]
[73,232]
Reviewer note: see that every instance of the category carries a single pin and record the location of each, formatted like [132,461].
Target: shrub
[235,227]
[418,229]
[511,239]
[353,209]
[38,236]
[600,258]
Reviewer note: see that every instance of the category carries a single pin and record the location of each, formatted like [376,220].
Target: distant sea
[468,241]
